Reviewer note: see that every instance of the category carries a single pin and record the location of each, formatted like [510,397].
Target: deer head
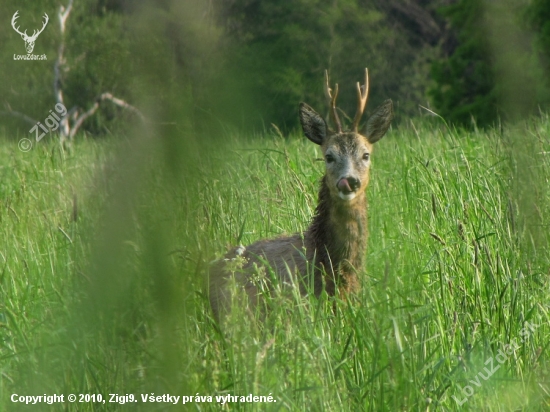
[29,40]
[346,153]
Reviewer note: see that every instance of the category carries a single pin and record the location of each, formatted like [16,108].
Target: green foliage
[29,89]
[466,85]
[250,62]
[492,60]
[104,253]
[276,54]
[538,18]
[97,60]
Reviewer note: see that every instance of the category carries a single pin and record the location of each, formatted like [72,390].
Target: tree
[277,52]
[491,72]
[538,18]
[465,81]
[78,64]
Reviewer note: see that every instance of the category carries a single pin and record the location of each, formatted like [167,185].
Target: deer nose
[348,184]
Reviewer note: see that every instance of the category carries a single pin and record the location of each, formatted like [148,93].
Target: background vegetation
[104,253]
[105,244]
[248,63]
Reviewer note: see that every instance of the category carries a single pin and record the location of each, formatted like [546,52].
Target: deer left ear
[313,124]
[379,122]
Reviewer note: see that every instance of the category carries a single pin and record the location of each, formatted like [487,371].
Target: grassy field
[104,250]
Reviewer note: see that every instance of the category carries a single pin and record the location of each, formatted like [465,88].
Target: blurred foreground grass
[104,251]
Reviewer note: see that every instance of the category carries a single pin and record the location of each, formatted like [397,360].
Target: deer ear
[379,122]
[313,124]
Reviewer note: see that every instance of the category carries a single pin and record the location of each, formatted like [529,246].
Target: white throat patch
[348,196]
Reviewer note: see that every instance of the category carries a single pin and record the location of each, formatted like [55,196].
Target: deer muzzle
[347,187]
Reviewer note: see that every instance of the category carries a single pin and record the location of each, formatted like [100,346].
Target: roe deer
[334,245]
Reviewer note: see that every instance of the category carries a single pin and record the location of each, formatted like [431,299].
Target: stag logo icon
[29,40]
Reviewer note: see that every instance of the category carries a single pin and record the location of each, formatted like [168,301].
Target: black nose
[353,182]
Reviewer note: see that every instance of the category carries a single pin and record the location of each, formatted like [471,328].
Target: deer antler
[362,96]
[35,33]
[332,102]
[13,21]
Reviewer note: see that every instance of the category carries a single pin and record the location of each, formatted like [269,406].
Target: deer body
[330,253]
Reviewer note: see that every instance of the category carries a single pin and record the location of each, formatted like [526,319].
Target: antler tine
[46,20]
[14,22]
[37,32]
[362,96]
[332,102]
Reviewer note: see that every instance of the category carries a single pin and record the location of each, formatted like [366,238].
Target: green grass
[104,251]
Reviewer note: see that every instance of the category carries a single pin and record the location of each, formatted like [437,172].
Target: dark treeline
[248,63]
[497,67]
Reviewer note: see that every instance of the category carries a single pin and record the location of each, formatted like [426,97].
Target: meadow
[104,250]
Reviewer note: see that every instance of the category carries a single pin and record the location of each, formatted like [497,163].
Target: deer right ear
[379,122]
[313,124]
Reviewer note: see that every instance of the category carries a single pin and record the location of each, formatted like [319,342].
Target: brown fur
[334,245]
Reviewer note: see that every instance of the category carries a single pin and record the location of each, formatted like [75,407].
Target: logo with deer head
[29,40]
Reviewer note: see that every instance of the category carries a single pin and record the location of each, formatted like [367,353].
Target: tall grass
[104,253]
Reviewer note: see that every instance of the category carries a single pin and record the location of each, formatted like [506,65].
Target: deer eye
[366,156]
[329,158]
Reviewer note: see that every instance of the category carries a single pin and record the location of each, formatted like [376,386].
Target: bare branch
[71,122]
[82,117]
[60,61]
[19,115]
[64,14]
[123,104]
[78,120]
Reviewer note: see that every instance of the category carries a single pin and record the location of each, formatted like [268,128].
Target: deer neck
[337,236]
